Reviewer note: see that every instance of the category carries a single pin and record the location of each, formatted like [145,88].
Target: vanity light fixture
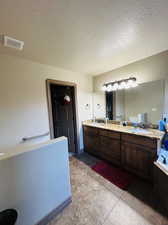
[121,84]
[109,88]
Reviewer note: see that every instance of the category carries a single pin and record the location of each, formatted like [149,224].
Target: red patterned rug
[115,175]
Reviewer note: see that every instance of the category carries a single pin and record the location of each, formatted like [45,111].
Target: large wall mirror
[127,105]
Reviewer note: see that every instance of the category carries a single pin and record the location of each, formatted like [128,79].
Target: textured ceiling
[90,36]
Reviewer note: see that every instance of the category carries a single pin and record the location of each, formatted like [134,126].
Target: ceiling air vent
[11,42]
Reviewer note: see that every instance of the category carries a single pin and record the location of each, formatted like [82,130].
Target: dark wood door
[109,105]
[63,113]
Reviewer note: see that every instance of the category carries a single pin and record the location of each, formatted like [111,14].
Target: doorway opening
[110,105]
[62,109]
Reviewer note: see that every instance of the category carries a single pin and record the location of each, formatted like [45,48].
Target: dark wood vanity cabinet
[110,148]
[138,159]
[102,143]
[91,140]
[134,153]
[138,154]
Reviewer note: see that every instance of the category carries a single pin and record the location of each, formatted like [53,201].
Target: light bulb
[134,84]
[130,82]
[115,86]
[127,86]
[104,88]
[112,88]
[120,87]
[123,84]
[109,88]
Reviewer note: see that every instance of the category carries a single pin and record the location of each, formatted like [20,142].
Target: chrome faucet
[94,119]
[106,120]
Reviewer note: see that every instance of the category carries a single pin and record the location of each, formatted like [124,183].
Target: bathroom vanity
[133,149]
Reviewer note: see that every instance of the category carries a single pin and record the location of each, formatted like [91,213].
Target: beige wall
[149,69]
[99,104]
[23,104]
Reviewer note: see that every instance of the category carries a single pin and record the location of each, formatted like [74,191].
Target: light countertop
[151,133]
[23,148]
[162,167]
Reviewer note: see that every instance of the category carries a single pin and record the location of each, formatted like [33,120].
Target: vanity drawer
[139,140]
[108,133]
[90,130]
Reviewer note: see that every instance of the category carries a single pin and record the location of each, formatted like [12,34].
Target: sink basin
[98,124]
[100,121]
[139,131]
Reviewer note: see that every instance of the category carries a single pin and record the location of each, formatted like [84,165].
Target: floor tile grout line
[119,199]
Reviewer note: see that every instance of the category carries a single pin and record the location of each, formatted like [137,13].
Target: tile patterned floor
[95,201]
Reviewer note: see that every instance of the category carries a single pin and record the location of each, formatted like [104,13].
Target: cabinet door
[138,159]
[91,140]
[110,149]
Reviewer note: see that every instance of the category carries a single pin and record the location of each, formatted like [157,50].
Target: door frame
[75,111]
